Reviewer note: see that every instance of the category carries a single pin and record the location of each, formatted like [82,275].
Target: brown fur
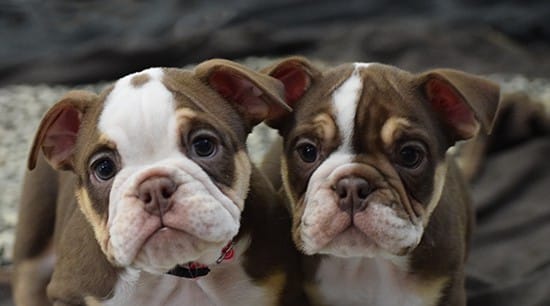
[140,79]
[437,263]
[64,209]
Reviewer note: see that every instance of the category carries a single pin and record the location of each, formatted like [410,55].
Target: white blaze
[140,120]
[344,103]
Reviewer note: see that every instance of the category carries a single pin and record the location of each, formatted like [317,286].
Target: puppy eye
[204,146]
[307,152]
[411,154]
[104,168]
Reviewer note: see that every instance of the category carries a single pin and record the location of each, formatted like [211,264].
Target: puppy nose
[156,194]
[352,193]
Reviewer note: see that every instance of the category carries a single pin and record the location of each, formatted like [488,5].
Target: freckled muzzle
[352,210]
[169,214]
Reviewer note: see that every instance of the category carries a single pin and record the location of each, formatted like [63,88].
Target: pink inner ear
[296,82]
[452,108]
[60,137]
[242,92]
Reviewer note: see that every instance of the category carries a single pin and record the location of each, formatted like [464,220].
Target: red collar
[195,269]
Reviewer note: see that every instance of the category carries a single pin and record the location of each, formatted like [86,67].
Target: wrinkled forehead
[366,88]
[386,93]
[363,97]
[139,113]
[142,114]
[135,100]
[377,89]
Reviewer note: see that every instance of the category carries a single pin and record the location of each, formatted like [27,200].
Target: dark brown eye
[203,147]
[411,154]
[204,143]
[307,152]
[104,168]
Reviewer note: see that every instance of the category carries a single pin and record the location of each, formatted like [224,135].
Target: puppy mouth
[354,235]
[377,229]
[162,229]
[164,247]
[158,243]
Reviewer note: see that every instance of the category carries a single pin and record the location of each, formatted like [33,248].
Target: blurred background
[74,42]
[48,47]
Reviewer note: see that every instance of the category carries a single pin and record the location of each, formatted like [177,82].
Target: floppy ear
[58,130]
[256,96]
[464,102]
[296,73]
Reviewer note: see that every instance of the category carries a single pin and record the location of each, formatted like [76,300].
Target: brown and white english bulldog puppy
[161,205]
[376,198]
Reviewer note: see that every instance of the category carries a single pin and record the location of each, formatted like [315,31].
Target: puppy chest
[225,285]
[367,281]
[158,290]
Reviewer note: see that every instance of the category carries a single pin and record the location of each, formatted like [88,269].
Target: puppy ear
[58,130]
[256,96]
[297,74]
[463,101]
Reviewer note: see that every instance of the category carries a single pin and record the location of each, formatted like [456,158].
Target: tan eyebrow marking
[327,126]
[388,130]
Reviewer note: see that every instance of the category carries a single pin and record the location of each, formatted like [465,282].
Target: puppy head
[160,159]
[365,149]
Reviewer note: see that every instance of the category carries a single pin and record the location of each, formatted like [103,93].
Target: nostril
[147,198]
[342,188]
[167,191]
[363,189]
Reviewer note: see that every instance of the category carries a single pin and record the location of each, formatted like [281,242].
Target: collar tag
[227,253]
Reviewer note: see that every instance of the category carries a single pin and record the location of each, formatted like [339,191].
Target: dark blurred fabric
[87,41]
[510,260]
[72,42]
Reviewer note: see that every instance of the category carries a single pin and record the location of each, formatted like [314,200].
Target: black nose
[353,192]
[156,194]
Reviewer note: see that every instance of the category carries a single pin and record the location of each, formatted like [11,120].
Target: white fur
[226,284]
[140,288]
[391,232]
[317,230]
[344,103]
[202,214]
[325,228]
[362,65]
[143,123]
[372,281]
[321,218]
[361,268]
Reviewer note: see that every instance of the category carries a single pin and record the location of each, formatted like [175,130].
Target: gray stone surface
[21,108]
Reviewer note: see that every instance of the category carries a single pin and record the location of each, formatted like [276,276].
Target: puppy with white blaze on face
[161,204]
[378,205]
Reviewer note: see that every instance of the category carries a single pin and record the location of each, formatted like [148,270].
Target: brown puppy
[168,210]
[376,199]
